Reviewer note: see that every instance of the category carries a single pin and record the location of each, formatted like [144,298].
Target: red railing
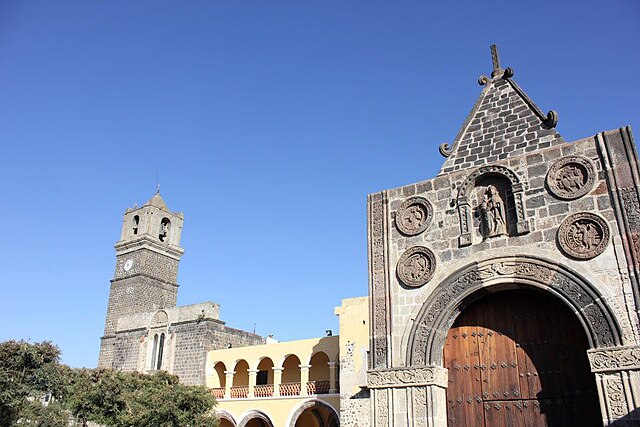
[240,392]
[218,393]
[318,387]
[265,390]
[290,389]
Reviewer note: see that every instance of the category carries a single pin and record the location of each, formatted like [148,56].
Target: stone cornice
[611,359]
[145,242]
[407,377]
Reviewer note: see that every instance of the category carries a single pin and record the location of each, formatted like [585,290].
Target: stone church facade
[504,291]
[145,330]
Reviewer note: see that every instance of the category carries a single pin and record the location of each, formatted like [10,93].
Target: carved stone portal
[416,266]
[571,177]
[583,235]
[414,216]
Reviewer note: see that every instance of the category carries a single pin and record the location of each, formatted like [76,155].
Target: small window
[154,352]
[160,352]
[165,226]
[136,223]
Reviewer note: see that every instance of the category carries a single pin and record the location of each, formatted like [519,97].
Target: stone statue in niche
[492,213]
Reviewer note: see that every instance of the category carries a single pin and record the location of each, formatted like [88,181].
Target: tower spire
[157,180]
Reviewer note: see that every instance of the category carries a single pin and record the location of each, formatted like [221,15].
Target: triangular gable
[503,123]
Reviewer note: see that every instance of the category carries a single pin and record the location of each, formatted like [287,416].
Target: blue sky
[270,122]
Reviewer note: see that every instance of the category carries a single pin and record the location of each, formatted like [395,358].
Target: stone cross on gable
[495,59]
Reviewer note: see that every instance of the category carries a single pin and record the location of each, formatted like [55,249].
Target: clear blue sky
[270,123]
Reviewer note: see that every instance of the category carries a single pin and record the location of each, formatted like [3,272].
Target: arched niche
[459,290]
[489,196]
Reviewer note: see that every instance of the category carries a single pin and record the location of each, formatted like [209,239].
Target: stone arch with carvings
[459,290]
[516,189]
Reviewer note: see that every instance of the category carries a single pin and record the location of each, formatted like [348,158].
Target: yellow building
[295,383]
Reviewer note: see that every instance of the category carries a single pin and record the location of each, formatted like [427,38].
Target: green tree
[123,399]
[28,371]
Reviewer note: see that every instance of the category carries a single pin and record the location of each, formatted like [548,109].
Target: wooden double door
[518,358]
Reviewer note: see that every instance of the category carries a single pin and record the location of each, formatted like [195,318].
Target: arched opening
[240,387]
[518,358]
[256,419]
[225,419]
[314,413]
[136,224]
[264,379]
[165,227]
[290,376]
[319,374]
[219,380]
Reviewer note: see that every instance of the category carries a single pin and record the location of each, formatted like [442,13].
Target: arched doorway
[518,358]
[315,413]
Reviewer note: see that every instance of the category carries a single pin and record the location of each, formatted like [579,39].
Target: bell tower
[147,257]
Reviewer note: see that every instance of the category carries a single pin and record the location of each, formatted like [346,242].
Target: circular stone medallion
[416,266]
[571,177]
[414,216]
[583,235]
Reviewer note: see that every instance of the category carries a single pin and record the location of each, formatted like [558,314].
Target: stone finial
[495,59]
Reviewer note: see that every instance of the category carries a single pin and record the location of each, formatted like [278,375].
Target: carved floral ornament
[583,235]
[414,216]
[407,377]
[571,177]
[615,359]
[416,266]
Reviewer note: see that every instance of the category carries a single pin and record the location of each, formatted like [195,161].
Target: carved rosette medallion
[583,235]
[414,216]
[571,177]
[416,266]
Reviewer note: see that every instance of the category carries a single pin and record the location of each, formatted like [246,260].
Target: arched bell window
[136,224]
[165,227]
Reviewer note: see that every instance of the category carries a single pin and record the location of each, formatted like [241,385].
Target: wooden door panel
[464,396]
[498,361]
[518,358]
[504,413]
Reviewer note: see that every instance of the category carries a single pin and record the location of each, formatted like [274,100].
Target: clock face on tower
[128,264]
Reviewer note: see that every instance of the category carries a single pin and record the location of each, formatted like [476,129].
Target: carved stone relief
[378,275]
[416,266]
[631,207]
[414,216]
[614,391]
[583,235]
[615,359]
[382,408]
[571,177]
[492,208]
[408,377]
[427,336]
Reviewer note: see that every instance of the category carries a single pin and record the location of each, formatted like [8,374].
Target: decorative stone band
[408,377]
[610,359]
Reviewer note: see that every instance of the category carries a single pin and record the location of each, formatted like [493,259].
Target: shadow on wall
[631,419]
